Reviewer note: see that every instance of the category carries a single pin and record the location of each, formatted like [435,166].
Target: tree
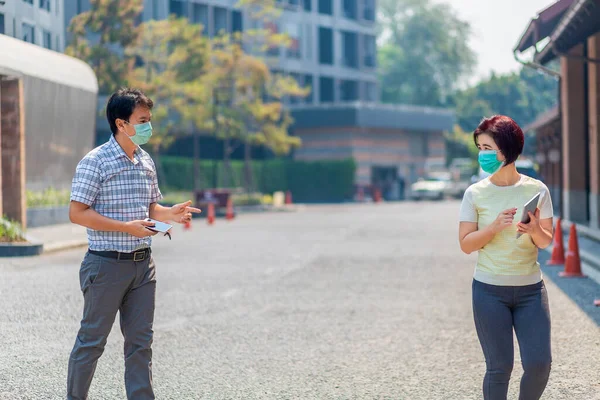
[172,57]
[248,102]
[424,53]
[99,35]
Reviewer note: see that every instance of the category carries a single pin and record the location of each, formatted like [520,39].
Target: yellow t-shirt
[505,260]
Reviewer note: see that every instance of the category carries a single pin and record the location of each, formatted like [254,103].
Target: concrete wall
[12,150]
[59,131]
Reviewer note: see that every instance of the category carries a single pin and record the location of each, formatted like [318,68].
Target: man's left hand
[182,213]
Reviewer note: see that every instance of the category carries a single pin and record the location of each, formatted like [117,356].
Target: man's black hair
[122,103]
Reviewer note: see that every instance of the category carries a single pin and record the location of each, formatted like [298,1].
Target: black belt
[139,255]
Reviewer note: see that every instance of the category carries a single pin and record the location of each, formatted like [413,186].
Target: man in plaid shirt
[115,189]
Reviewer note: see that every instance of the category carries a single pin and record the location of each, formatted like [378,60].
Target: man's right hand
[138,228]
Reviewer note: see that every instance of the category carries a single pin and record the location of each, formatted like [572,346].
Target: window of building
[2,27]
[327,90]
[369,10]
[326,7]
[350,8]
[200,15]
[178,8]
[350,49]
[294,3]
[307,5]
[325,46]
[28,1]
[47,37]
[370,92]
[349,90]
[220,20]
[237,22]
[295,48]
[79,6]
[308,84]
[45,5]
[272,49]
[58,47]
[369,51]
[28,33]
[298,78]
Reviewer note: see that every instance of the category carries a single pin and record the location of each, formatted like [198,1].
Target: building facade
[333,47]
[568,32]
[387,142]
[39,22]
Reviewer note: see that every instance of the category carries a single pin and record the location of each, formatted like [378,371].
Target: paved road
[335,302]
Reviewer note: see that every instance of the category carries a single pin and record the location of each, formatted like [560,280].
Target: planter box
[25,249]
[44,216]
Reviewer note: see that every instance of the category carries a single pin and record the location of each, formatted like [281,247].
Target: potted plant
[14,243]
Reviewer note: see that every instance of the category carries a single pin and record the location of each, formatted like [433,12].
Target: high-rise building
[40,22]
[333,41]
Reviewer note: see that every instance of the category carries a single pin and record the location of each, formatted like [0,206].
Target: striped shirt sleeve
[155,194]
[86,182]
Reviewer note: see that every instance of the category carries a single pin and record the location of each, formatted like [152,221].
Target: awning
[581,21]
[543,24]
[543,120]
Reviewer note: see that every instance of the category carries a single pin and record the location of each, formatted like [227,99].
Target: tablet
[158,226]
[530,206]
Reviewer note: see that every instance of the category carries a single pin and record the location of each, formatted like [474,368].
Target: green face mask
[488,159]
[143,132]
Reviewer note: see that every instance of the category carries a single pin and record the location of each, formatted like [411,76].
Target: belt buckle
[142,255]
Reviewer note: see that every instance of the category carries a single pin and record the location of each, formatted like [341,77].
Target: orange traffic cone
[597,302]
[210,218]
[229,213]
[288,197]
[573,262]
[187,225]
[361,194]
[377,196]
[558,247]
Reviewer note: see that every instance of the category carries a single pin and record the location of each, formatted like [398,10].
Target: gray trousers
[499,309]
[108,286]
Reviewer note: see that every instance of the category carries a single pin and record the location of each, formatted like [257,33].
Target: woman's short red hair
[506,133]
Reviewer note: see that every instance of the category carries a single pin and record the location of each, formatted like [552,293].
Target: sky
[497,26]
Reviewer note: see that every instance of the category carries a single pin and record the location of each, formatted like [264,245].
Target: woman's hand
[503,221]
[533,226]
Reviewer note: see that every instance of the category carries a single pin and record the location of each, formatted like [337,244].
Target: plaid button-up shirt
[116,187]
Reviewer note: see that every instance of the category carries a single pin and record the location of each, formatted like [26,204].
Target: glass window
[2,28]
[325,46]
[28,33]
[327,94]
[45,5]
[220,20]
[326,7]
[295,48]
[47,36]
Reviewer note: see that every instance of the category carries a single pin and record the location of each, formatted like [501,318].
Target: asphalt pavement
[369,301]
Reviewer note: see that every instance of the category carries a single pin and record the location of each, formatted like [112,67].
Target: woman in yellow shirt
[508,290]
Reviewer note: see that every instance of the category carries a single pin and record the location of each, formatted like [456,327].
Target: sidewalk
[59,237]
[69,236]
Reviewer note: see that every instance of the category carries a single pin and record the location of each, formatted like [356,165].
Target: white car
[431,188]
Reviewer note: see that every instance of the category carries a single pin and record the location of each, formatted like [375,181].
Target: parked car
[432,187]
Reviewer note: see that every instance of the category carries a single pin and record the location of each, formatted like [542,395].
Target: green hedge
[320,181]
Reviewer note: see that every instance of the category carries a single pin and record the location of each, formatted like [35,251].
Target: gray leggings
[497,309]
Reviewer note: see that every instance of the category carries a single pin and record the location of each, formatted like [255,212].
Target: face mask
[488,159]
[143,132]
